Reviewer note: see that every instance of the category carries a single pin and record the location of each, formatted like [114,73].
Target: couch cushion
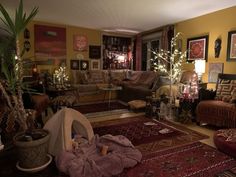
[147,78]
[87,88]
[95,77]
[118,75]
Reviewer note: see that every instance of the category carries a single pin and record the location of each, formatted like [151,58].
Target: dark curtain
[138,52]
[167,35]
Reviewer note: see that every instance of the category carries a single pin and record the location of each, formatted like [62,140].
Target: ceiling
[121,16]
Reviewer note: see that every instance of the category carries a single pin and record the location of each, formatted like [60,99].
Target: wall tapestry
[50,44]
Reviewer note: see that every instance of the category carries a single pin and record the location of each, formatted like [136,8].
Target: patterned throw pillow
[224,89]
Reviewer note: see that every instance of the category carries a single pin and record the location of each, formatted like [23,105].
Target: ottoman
[137,104]
[63,101]
[225,141]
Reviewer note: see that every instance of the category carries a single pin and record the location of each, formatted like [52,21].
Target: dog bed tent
[60,126]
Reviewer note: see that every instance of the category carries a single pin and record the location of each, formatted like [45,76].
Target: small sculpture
[217,47]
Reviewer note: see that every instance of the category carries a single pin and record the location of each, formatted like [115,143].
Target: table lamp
[200,68]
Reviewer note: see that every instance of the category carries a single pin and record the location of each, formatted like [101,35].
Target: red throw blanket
[88,161]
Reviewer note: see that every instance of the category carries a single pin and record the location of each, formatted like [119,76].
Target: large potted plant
[31,143]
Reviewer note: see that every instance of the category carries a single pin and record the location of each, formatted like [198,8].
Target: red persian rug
[99,107]
[194,160]
[139,131]
[148,135]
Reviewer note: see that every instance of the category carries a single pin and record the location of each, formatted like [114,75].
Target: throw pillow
[147,78]
[225,88]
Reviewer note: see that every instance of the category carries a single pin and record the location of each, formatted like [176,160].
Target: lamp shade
[200,66]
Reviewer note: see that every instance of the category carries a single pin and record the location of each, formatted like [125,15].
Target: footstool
[63,101]
[137,104]
[225,141]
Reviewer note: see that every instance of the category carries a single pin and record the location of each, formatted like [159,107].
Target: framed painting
[94,52]
[231,48]
[84,64]
[50,44]
[214,70]
[74,64]
[95,64]
[80,42]
[197,48]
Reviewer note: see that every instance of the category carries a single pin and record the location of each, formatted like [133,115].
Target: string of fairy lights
[60,75]
[169,59]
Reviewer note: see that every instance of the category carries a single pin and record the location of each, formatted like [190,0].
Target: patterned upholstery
[225,90]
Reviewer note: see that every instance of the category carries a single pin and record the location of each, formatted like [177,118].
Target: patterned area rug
[194,160]
[99,107]
[149,135]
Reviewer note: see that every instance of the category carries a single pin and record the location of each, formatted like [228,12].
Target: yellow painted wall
[93,36]
[216,24]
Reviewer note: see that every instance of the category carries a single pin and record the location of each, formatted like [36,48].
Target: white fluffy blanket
[87,160]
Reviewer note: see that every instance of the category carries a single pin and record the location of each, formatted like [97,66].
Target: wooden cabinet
[117,52]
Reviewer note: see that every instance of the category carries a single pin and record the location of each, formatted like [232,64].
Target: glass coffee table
[109,90]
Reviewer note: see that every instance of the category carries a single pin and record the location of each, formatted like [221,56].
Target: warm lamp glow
[200,66]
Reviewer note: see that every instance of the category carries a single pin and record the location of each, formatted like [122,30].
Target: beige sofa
[89,84]
[135,84]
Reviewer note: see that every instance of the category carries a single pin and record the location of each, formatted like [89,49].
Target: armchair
[221,110]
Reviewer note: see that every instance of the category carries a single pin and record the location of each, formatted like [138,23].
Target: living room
[100,61]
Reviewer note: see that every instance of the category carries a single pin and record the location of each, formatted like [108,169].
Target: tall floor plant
[11,85]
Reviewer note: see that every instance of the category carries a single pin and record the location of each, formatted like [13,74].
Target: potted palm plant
[31,144]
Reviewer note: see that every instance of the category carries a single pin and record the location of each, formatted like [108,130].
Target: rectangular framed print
[95,64]
[197,48]
[231,48]
[74,64]
[214,70]
[84,64]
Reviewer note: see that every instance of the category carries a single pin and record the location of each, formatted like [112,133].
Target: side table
[109,90]
[152,106]
[186,110]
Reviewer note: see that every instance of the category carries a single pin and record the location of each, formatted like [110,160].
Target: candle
[177,103]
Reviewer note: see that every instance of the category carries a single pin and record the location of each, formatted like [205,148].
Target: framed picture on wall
[231,48]
[197,48]
[95,64]
[214,70]
[94,52]
[80,42]
[50,44]
[84,64]
[74,64]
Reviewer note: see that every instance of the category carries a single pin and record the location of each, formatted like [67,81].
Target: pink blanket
[87,160]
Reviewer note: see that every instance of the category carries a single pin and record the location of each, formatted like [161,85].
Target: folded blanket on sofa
[88,161]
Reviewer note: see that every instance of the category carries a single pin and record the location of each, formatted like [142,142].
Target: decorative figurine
[217,47]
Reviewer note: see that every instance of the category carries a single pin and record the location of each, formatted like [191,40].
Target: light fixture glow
[200,66]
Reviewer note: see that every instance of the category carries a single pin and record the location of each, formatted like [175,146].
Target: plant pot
[32,152]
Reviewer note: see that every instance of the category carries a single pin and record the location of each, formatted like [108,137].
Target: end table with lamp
[187,103]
